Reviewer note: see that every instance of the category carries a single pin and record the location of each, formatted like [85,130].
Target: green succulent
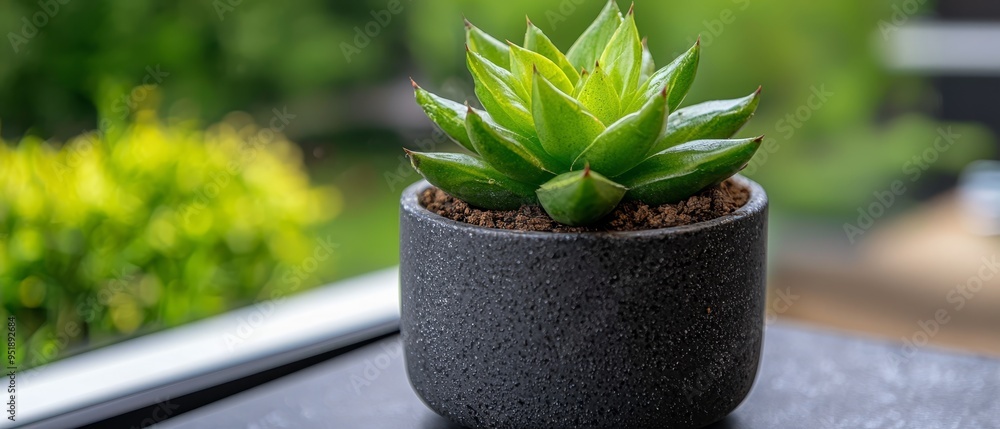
[581,131]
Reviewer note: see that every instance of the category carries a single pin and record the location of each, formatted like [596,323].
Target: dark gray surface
[165,373]
[809,379]
[645,329]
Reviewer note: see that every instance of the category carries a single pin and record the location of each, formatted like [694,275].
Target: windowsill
[138,373]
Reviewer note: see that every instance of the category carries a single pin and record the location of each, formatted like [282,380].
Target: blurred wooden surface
[895,279]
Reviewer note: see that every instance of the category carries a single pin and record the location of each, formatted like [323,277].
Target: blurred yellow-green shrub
[150,225]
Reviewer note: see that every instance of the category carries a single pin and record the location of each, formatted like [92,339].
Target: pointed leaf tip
[698,42]
[447,114]
[719,119]
[679,172]
[759,139]
[631,9]
[474,181]
[678,76]
[586,169]
[468,25]
[592,42]
[622,57]
[575,199]
[414,83]
[759,89]
[526,18]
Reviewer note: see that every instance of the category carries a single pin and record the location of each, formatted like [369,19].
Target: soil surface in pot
[708,204]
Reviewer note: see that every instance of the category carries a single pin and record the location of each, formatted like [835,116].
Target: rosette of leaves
[581,131]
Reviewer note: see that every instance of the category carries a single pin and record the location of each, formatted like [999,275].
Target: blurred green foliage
[219,57]
[831,176]
[144,225]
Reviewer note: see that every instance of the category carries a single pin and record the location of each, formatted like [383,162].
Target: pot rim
[755,204]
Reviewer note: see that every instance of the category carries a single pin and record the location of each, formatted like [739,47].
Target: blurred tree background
[841,124]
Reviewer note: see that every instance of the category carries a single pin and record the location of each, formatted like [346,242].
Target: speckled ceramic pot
[658,329]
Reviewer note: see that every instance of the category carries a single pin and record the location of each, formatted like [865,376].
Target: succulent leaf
[648,66]
[483,44]
[472,180]
[501,94]
[711,120]
[564,126]
[580,197]
[677,77]
[505,151]
[524,63]
[536,40]
[626,142]
[589,47]
[598,95]
[584,76]
[622,58]
[447,114]
[681,171]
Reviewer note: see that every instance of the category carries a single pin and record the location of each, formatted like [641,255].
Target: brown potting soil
[711,203]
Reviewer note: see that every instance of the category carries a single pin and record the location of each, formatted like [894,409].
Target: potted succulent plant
[538,286]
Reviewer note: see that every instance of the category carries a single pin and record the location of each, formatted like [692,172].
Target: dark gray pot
[508,329]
